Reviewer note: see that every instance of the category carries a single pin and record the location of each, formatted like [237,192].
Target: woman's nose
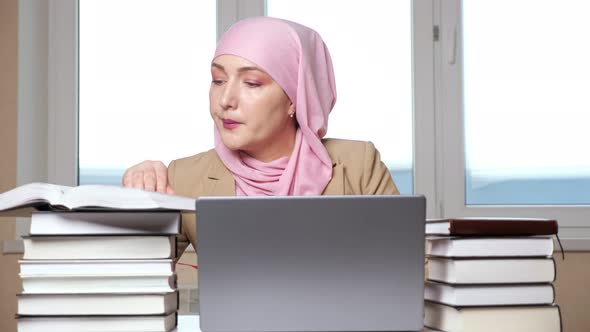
[229,97]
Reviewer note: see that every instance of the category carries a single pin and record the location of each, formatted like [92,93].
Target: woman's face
[251,111]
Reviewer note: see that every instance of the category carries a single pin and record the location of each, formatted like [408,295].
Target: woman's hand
[148,175]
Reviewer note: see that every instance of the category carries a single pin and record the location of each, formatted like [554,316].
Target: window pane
[526,73]
[144,82]
[372,61]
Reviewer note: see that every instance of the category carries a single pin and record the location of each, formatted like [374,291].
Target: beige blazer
[356,170]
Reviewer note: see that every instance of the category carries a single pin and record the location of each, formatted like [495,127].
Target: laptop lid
[321,263]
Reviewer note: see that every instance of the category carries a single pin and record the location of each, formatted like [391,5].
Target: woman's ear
[291,111]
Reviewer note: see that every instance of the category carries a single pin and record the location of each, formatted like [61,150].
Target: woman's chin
[232,144]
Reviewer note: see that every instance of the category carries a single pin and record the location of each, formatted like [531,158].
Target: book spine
[502,227]
[175,250]
[560,318]
[554,269]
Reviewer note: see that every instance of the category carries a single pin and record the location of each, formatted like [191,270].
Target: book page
[32,194]
[124,198]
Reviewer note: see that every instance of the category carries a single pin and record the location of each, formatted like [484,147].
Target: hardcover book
[97,304]
[545,318]
[490,246]
[100,247]
[95,267]
[99,283]
[491,270]
[105,223]
[489,295]
[160,323]
[491,226]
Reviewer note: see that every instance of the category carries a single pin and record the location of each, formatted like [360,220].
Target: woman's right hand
[148,175]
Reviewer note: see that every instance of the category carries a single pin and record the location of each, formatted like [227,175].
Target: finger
[137,180]
[149,180]
[170,191]
[161,177]
[126,180]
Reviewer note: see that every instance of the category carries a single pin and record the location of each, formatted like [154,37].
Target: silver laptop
[323,263]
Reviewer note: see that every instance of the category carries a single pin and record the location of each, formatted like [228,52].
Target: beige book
[100,247]
[545,318]
[160,323]
[97,304]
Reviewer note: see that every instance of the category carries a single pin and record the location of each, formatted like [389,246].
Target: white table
[188,323]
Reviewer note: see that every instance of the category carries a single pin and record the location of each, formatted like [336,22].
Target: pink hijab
[296,57]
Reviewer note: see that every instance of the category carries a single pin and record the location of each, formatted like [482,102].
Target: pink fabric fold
[296,57]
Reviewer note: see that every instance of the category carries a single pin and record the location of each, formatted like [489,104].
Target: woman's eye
[217,82]
[253,84]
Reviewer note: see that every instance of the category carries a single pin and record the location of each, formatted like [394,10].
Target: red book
[491,226]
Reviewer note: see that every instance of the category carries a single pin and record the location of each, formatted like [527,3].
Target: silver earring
[291,114]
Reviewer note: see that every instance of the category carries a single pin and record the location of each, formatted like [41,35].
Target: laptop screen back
[327,263]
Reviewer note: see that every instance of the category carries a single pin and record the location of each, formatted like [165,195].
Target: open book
[44,196]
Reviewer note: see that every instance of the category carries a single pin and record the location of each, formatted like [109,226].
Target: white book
[489,247]
[97,304]
[162,323]
[95,267]
[109,283]
[100,247]
[491,271]
[51,196]
[489,295]
[492,319]
[104,223]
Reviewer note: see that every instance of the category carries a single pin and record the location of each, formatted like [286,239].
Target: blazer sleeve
[376,179]
[182,241]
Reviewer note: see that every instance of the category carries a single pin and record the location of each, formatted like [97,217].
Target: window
[144,82]
[485,104]
[510,98]
[525,102]
[372,58]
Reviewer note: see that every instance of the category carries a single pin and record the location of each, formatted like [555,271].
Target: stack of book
[491,275]
[106,267]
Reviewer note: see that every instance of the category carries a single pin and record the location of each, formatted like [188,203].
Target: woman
[271,92]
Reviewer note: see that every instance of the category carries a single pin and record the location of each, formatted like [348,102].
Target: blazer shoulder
[344,150]
[200,160]
[186,175]
[364,172]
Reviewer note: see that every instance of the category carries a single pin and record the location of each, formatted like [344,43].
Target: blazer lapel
[336,185]
[220,181]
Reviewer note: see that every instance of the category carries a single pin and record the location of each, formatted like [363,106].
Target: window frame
[573,219]
[62,166]
[438,122]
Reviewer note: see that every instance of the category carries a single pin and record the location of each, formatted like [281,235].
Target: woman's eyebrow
[216,65]
[240,70]
[243,69]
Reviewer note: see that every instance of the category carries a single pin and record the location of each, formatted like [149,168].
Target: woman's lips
[230,124]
